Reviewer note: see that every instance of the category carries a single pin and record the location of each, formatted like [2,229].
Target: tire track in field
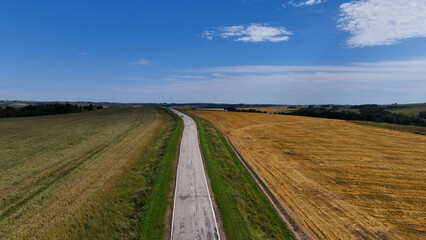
[64,170]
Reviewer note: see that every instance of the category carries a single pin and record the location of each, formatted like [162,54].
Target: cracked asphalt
[193,214]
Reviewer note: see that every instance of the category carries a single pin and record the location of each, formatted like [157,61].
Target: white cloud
[254,32]
[305,3]
[142,62]
[382,22]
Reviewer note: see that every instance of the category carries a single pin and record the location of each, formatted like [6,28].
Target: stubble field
[83,175]
[339,180]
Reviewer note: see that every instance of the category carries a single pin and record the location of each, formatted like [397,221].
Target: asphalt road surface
[193,214]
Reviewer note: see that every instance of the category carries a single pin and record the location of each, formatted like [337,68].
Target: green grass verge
[245,211]
[158,201]
[136,208]
[404,128]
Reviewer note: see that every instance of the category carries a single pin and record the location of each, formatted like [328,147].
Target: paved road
[193,214]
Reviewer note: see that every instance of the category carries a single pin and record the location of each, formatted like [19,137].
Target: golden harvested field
[339,179]
[55,171]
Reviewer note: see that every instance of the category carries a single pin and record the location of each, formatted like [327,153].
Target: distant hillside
[18,103]
[40,110]
[370,112]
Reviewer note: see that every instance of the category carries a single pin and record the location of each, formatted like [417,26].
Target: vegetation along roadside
[245,211]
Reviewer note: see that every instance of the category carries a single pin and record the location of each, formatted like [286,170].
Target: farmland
[340,180]
[87,175]
[409,109]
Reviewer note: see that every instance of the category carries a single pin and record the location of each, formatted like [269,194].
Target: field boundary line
[299,231]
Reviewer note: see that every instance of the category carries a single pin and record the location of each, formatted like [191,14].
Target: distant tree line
[39,110]
[373,113]
[215,105]
[234,109]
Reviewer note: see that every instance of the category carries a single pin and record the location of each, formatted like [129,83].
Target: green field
[105,174]
[411,110]
[245,211]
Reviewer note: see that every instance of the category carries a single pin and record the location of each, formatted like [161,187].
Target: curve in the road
[193,214]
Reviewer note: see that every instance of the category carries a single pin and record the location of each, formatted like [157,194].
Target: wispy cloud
[416,65]
[254,32]
[367,82]
[141,62]
[183,77]
[382,22]
[305,3]
[188,77]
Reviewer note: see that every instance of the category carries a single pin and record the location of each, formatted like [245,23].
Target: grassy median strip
[245,211]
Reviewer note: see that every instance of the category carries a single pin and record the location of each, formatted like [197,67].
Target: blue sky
[234,51]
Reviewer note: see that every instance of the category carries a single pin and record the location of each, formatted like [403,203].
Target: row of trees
[234,109]
[372,113]
[39,110]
